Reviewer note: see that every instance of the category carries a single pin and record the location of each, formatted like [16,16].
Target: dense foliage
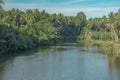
[104,29]
[24,30]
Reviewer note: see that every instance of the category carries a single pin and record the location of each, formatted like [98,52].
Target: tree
[30,17]
[111,25]
[80,22]
[117,22]
[86,35]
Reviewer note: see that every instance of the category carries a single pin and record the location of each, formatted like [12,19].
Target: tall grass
[109,47]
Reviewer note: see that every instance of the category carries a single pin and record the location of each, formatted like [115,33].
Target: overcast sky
[92,8]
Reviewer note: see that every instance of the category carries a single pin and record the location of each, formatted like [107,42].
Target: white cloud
[68,11]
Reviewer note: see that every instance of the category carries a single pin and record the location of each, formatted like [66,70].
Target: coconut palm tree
[111,25]
[30,17]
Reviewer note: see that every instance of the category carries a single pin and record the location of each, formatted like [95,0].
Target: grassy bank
[108,47]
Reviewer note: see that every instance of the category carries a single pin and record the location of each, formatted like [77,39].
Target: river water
[66,62]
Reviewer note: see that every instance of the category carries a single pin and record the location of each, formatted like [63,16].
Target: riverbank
[108,47]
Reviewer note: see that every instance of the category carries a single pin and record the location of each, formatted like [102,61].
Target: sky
[92,8]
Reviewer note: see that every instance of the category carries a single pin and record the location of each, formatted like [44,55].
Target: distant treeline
[25,30]
[102,29]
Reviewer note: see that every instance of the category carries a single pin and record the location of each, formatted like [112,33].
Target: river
[65,62]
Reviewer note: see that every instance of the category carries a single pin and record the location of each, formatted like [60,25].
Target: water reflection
[114,68]
[60,63]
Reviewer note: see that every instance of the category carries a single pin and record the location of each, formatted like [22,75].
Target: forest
[21,30]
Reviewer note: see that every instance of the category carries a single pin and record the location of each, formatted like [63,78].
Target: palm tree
[80,22]
[86,35]
[1,2]
[111,25]
[30,17]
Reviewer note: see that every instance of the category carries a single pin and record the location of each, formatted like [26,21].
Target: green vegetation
[25,30]
[104,32]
